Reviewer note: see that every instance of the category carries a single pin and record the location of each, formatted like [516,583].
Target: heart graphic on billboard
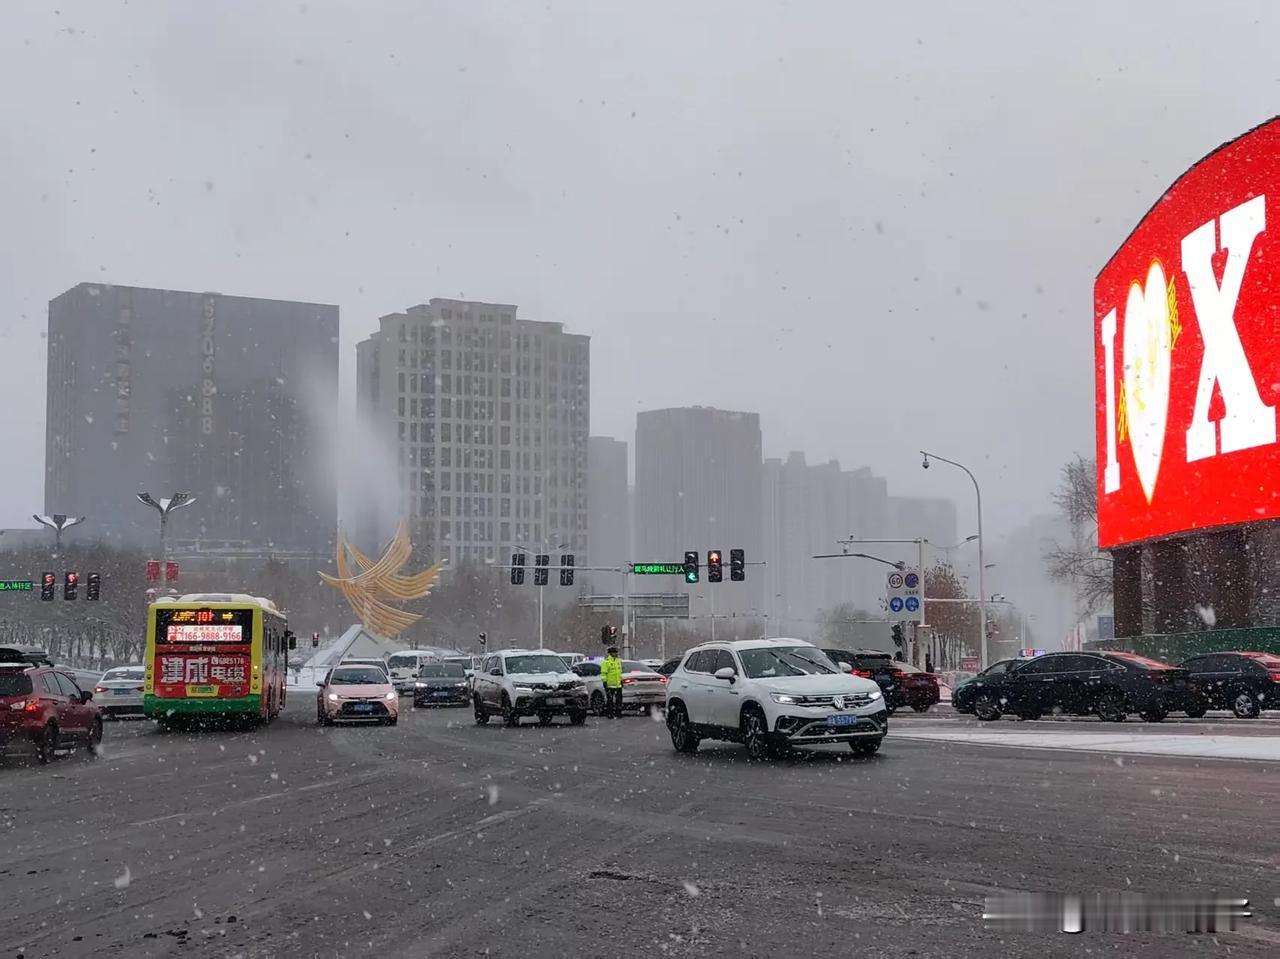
[1148,349]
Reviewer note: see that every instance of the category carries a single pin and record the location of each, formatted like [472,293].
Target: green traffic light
[691,577]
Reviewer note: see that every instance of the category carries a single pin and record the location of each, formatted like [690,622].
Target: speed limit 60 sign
[904,595]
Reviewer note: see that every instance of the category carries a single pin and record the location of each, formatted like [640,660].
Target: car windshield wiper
[812,662]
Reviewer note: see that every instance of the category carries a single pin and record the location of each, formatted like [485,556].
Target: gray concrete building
[698,476]
[486,419]
[229,397]
[806,509]
[608,508]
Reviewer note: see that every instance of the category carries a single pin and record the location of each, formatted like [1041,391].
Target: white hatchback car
[771,695]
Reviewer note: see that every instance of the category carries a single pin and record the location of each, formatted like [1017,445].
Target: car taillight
[1275,675]
[864,673]
[99,689]
[664,680]
[26,705]
[627,681]
[897,673]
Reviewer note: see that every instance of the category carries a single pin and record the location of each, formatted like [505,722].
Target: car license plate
[362,708]
[842,720]
[122,692]
[202,690]
[558,701]
[439,692]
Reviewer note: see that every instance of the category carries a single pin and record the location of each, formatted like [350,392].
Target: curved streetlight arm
[982,592]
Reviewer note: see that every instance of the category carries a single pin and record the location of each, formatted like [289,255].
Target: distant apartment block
[488,416]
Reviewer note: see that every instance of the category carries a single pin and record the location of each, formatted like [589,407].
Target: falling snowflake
[493,795]
[691,889]
[123,880]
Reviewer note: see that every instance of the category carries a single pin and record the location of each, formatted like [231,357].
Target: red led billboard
[1187,364]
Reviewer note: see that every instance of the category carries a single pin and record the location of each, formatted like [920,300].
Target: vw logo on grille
[838,702]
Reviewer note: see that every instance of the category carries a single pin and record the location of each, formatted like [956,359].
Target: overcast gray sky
[876,224]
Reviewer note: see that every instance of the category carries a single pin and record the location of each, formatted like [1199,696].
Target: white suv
[771,694]
[520,682]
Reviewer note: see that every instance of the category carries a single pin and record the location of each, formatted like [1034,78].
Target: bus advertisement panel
[214,659]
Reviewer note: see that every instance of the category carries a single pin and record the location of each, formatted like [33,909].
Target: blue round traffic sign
[913,604]
[912,580]
[895,604]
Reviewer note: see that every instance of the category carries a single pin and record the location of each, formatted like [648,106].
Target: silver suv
[520,682]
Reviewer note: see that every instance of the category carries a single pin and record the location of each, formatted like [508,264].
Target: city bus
[215,656]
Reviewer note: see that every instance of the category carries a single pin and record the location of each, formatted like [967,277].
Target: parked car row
[1114,685]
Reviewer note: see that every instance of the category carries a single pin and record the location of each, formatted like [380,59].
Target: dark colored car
[1109,685]
[42,710]
[963,695]
[441,684]
[876,665]
[1245,683]
[669,667]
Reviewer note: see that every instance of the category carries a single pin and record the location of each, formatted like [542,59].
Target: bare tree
[1080,563]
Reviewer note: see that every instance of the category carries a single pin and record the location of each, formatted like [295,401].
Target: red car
[916,688]
[42,710]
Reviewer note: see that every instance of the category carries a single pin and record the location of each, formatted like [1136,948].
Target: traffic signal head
[70,585]
[541,561]
[691,566]
[604,635]
[566,569]
[715,567]
[737,565]
[899,637]
[517,569]
[93,587]
[47,583]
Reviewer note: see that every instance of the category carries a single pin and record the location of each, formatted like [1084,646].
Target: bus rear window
[198,626]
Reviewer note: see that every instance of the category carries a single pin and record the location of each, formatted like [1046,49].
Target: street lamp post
[164,506]
[57,522]
[982,582]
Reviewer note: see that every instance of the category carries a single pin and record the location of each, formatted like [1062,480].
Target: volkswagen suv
[517,682]
[772,695]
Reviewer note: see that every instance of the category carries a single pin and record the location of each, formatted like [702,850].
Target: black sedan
[441,684]
[1245,683]
[1109,685]
[964,695]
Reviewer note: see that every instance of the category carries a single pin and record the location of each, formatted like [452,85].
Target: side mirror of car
[85,696]
[845,667]
[727,672]
[495,672]
[320,684]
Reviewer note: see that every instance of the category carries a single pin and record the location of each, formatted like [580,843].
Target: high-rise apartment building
[806,510]
[230,398]
[698,487]
[486,418]
[608,506]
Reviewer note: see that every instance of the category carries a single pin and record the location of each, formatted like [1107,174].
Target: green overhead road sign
[15,585]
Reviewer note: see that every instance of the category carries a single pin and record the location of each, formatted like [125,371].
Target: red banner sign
[1187,365]
[170,571]
[153,571]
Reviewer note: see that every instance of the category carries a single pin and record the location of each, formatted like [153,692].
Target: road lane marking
[1256,748]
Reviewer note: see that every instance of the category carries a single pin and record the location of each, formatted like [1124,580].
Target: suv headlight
[875,694]
[579,684]
[784,700]
[523,685]
[391,695]
[333,697]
